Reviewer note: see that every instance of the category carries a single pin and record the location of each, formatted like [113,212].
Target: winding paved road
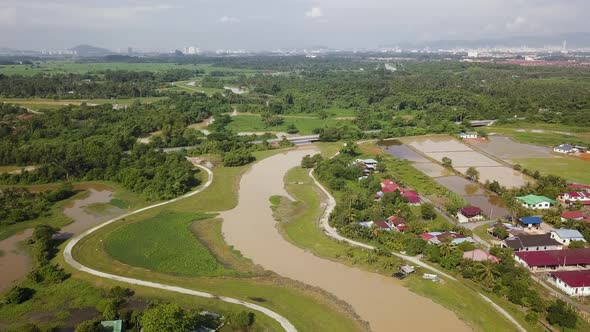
[331,231]
[70,260]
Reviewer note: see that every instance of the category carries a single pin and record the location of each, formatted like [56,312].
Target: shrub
[18,295]
[241,319]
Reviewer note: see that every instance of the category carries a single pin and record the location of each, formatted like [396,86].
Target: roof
[565,233]
[534,199]
[555,257]
[410,193]
[572,215]
[381,224]
[413,199]
[530,220]
[470,211]
[578,186]
[112,325]
[574,278]
[468,133]
[528,240]
[480,256]
[564,147]
[396,220]
[369,161]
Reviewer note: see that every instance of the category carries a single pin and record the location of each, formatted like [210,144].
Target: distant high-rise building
[129,50]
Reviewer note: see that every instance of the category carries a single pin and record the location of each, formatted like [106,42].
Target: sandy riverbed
[380,300]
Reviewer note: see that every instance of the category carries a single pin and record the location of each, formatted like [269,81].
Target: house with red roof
[574,197]
[579,187]
[382,225]
[554,260]
[437,238]
[25,116]
[388,186]
[469,213]
[573,283]
[397,223]
[572,215]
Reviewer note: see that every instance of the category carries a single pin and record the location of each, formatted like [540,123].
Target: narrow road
[331,231]
[70,260]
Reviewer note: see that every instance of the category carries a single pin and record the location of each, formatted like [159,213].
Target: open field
[184,86]
[546,135]
[569,168]
[164,243]
[249,123]
[39,104]
[306,308]
[65,67]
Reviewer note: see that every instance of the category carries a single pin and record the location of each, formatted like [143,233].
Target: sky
[277,24]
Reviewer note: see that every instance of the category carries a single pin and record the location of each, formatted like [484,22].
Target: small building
[382,225]
[479,255]
[572,215]
[397,223]
[112,325]
[437,238]
[468,134]
[530,242]
[573,283]
[554,260]
[574,197]
[407,269]
[566,236]
[367,165]
[470,213]
[530,222]
[565,148]
[535,202]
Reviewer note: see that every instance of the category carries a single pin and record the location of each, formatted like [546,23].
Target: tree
[500,232]
[28,327]
[486,273]
[350,149]
[472,173]
[167,317]
[285,143]
[292,129]
[89,326]
[577,244]
[559,313]
[237,158]
[447,162]
[428,212]
[18,295]
[111,310]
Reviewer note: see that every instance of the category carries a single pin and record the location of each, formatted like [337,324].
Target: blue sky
[266,24]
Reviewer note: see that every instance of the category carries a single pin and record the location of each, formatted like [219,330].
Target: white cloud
[315,12]
[228,19]
[7,15]
[517,24]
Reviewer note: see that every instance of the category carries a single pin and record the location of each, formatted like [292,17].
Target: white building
[566,236]
[573,283]
[468,134]
[565,148]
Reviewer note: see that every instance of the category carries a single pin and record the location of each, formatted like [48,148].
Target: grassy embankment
[305,124]
[307,308]
[569,168]
[41,104]
[299,224]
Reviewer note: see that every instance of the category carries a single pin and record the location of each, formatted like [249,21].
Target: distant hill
[574,40]
[89,50]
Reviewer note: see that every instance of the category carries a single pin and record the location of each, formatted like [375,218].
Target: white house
[535,202]
[573,283]
[565,148]
[566,236]
[468,134]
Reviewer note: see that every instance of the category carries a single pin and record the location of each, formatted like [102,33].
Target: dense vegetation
[19,204]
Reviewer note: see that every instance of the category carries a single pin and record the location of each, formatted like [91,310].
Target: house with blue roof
[566,236]
[530,222]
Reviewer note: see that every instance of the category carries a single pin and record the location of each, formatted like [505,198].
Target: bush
[559,313]
[18,295]
[89,326]
[241,319]
[237,158]
[531,317]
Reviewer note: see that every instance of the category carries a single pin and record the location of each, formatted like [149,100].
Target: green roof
[534,199]
[112,325]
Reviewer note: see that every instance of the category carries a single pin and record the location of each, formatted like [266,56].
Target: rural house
[572,215]
[579,187]
[397,223]
[535,202]
[565,148]
[573,283]
[529,242]
[469,213]
[530,222]
[437,238]
[566,236]
[570,259]
[573,197]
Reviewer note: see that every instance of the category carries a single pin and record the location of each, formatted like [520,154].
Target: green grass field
[242,123]
[40,104]
[551,135]
[182,86]
[571,169]
[164,243]
[65,67]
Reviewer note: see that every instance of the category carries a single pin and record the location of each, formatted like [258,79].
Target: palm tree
[473,174]
[486,273]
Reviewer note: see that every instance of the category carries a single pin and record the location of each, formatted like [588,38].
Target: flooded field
[14,263]
[81,212]
[433,170]
[435,144]
[400,151]
[502,174]
[382,301]
[505,148]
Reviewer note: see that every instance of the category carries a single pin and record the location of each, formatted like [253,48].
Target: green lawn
[550,136]
[41,104]
[571,169]
[241,123]
[182,86]
[341,112]
[164,243]
[482,232]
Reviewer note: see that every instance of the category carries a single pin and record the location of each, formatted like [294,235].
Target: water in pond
[435,144]
[505,148]
[433,170]
[14,263]
[380,300]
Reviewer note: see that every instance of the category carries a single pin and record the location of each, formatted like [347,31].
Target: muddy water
[14,263]
[380,300]
[433,170]
[83,219]
[435,143]
[403,152]
[505,148]
[504,175]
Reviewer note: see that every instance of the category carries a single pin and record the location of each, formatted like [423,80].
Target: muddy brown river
[14,263]
[380,300]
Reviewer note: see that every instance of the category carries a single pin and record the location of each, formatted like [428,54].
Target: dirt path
[70,260]
[382,301]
